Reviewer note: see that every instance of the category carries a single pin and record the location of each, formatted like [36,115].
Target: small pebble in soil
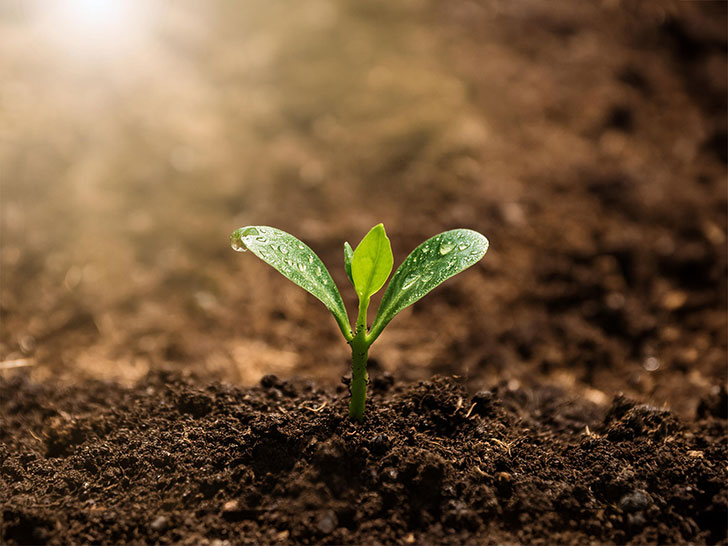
[268,381]
[483,401]
[271,381]
[380,444]
[635,501]
[327,522]
[504,483]
[233,510]
[159,523]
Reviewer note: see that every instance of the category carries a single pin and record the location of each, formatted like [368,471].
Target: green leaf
[430,264]
[348,255]
[295,261]
[372,262]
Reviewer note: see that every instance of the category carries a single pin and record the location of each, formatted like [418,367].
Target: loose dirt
[172,462]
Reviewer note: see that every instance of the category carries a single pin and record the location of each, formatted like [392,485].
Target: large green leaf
[430,264]
[372,262]
[295,261]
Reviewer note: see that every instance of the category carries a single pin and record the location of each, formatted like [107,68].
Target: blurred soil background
[587,140]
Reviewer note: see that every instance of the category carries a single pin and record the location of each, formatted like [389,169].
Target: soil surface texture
[170,462]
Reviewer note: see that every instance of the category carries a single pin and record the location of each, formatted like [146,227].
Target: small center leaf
[372,262]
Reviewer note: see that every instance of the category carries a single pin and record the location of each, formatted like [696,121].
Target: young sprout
[368,268]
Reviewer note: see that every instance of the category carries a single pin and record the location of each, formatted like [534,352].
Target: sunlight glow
[95,27]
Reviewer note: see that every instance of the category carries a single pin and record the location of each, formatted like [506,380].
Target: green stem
[359,353]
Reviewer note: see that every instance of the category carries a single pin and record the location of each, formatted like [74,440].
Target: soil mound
[173,461]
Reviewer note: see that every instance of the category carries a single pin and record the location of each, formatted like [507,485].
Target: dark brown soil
[169,461]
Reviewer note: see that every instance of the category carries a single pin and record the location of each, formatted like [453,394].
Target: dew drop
[446,247]
[410,280]
[310,259]
[283,249]
[237,244]
[249,232]
[300,246]
[318,271]
[289,262]
[301,266]
[463,245]
[426,277]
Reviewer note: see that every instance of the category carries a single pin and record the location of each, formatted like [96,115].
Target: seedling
[368,268]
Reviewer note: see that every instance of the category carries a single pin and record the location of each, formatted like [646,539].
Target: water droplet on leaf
[237,244]
[410,280]
[446,247]
[283,249]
